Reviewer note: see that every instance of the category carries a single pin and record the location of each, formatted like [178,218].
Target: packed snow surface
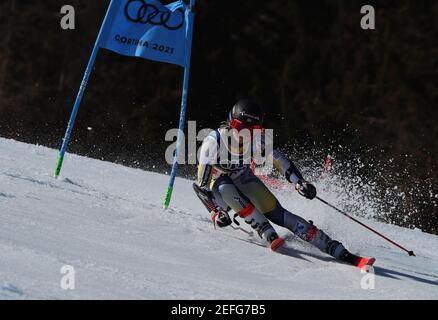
[106,221]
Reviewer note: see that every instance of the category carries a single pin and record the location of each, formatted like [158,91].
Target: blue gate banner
[148,29]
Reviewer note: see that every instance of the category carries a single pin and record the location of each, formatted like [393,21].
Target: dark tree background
[323,80]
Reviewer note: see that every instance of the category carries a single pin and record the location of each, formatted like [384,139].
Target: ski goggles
[240,125]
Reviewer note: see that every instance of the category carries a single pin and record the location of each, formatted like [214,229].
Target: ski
[363,262]
[277,244]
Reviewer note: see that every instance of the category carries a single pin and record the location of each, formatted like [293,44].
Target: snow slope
[107,222]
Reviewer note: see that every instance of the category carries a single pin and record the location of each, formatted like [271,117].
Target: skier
[225,184]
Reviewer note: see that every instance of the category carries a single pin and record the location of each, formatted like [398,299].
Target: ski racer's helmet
[245,114]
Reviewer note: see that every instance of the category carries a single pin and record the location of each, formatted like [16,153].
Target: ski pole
[410,252]
[250,233]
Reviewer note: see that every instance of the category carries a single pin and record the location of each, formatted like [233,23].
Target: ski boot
[334,248]
[261,224]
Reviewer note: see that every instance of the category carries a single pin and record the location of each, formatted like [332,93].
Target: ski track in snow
[107,222]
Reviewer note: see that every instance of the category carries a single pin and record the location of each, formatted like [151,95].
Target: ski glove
[306,189]
[223,219]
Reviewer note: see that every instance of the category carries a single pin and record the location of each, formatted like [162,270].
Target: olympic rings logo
[139,11]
